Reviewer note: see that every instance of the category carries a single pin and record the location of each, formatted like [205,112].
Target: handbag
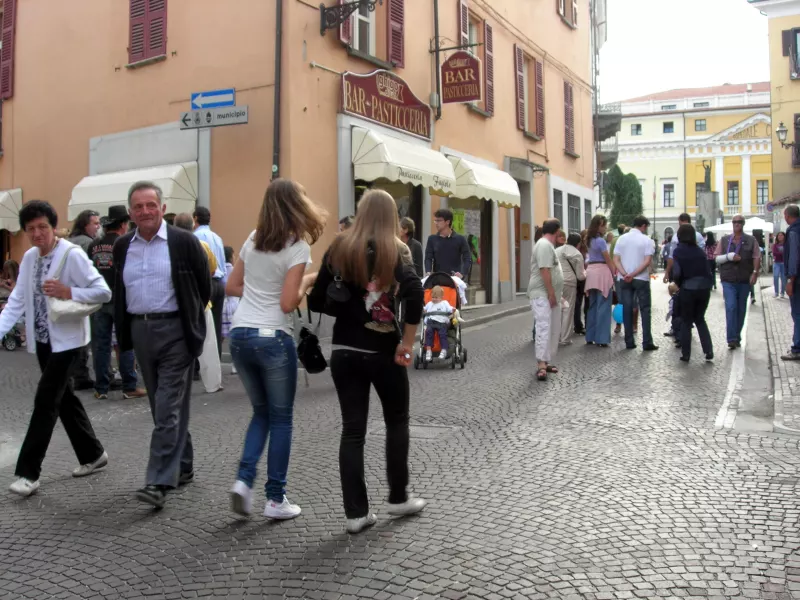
[68,310]
[309,351]
[336,295]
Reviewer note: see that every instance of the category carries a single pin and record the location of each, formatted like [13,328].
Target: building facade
[341,100]
[675,141]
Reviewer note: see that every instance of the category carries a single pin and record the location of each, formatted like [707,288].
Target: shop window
[699,124]
[148,30]
[762,192]
[669,127]
[669,195]
[733,193]
[587,212]
[573,214]
[558,205]
[636,129]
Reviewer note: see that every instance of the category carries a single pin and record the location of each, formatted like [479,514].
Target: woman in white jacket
[56,345]
[574,272]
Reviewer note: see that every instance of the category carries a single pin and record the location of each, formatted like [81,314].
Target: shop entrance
[473,219]
[407,197]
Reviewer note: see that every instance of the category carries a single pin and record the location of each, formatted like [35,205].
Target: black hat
[116,214]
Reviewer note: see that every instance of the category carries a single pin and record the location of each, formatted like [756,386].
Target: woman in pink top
[600,274]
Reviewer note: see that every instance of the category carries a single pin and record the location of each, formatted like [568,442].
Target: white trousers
[568,314]
[548,328]
[210,368]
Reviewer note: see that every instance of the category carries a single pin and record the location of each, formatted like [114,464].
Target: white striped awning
[474,180]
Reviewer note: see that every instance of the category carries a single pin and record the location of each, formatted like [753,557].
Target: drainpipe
[438,63]
[276,125]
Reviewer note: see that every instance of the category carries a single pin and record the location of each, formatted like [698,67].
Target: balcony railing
[610,145]
[732,209]
[759,209]
[610,108]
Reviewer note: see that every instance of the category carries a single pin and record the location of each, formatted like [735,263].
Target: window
[636,129]
[574,13]
[791,49]
[526,96]
[701,105]
[669,195]
[733,193]
[471,28]
[558,205]
[364,30]
[148,29]
[569,119]
[669,106]
[699,124]
[9,18]
[529,78]
[762,192]
[587,212]
[669,127]
[574,214]
[474,37]
[561,6]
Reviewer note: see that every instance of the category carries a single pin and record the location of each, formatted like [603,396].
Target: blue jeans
[102,326]
[779,277]
[633,294]
[598,321]
[735,295]
[267,366]
[794,301]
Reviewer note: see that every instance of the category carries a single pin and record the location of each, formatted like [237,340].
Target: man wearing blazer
[162,288]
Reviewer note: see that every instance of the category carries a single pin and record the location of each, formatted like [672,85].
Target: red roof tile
[717,90]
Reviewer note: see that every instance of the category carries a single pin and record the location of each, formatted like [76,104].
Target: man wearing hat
[100,251]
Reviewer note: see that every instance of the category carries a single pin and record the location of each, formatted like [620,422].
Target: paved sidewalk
[785,375]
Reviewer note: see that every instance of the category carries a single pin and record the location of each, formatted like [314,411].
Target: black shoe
[669,333]
[753,301]
[187,477]
[732,346]
[650,348]
[710,356]
[85,384]
[633,347]
[738,344]
[685,358]
[580,331]
[154,495]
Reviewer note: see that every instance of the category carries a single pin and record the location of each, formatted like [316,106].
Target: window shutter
[346,29]
[488,67]
[156,28]
[463,21]
[519,77]
[795,153]
[7,55]
[786,38]
[136,44]
[561,7]
[569,119]
[539,98]
[575,13]
[395,38]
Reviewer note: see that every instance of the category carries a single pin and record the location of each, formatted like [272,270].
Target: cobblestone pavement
[608,481]
[785,375]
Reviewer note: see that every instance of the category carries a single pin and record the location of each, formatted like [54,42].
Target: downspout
[438,63]
[276,124]
[686,183]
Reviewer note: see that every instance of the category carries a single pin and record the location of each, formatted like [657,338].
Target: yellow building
[784,59]
[668,139]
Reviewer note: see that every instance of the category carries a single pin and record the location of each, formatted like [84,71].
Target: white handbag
[68,310]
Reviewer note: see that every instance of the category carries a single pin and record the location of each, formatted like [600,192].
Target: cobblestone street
[608,481]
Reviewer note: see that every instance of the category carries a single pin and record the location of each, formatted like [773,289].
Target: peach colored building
[93,91]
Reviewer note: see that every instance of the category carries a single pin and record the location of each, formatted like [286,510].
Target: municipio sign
[386,99]
[214,117]
[461,78]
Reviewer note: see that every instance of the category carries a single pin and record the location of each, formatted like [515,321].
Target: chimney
[749,87]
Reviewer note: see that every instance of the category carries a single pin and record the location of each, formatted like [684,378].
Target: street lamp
[782,132]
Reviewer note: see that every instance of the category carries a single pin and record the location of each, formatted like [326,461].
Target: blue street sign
[214,99]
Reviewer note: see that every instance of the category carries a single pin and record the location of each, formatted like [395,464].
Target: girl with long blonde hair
[365,275]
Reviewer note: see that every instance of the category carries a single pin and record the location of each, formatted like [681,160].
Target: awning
[98,192]
[750,225]
[377,156]
[474,180]
[10,203]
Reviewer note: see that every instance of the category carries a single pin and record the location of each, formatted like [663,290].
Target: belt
[157,316]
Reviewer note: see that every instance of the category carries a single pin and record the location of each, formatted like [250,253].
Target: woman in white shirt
[574,272]
[269,275]
[56,345]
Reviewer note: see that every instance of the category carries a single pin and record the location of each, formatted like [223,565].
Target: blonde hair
[376,225]
[287,213]
[437,291]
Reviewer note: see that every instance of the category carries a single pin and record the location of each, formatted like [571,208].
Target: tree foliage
[623,196]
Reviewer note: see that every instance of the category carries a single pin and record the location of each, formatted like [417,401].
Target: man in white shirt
[633,254]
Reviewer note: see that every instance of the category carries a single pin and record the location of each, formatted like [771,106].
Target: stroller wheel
[453,361]
[464,355]
[9,343]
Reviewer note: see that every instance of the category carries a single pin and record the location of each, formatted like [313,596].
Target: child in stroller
[438,313]
[447,338]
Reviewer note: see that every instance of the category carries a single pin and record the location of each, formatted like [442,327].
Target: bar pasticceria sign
[385,98]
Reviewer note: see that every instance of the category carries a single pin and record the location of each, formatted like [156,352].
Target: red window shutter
[786,38]
[539,98]
[156,28]
[346,29]
[395,38]
[138,26]
[7,55]
[463,21]
[519,78]
[488,67]
[569,119]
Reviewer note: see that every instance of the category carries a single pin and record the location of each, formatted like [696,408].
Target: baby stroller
[457,352]
[13,339]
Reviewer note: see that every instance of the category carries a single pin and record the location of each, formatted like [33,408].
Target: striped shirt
[148,275]
[204,233]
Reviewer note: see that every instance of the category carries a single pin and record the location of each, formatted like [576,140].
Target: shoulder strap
[63,262]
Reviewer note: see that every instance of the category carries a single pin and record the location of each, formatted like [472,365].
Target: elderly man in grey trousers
[163,286]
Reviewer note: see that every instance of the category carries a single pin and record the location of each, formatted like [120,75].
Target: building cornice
[777,8]
[700,111]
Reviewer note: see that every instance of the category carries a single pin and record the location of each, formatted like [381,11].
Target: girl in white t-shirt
[269,276]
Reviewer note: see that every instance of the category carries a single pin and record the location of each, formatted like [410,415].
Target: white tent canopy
[474,180]
[98,192]
[10,203]
[750,225]
[378,156]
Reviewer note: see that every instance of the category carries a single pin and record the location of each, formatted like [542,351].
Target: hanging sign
[461,78]
[386,99]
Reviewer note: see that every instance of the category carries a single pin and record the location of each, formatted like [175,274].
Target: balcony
[756,210]
[608,153]
[732,210]
[607,121]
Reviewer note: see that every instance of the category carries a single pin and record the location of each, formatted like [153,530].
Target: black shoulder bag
[309,351]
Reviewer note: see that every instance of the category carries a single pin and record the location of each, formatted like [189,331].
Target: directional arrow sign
[214,99]
[214,117]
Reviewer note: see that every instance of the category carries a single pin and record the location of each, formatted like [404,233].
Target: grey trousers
[166,366]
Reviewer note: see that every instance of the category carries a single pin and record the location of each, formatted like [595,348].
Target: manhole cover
[424,432]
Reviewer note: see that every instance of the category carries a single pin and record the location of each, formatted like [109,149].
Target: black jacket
[690,268]
[416,254]
[190,278]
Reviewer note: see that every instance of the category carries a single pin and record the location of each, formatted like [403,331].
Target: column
[745,185]
[719,181]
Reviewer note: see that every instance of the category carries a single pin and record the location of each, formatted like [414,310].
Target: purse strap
[310,321]
[57,274]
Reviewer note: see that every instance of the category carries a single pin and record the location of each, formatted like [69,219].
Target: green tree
[623,196]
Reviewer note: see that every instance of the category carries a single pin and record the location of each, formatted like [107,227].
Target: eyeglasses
[738,222]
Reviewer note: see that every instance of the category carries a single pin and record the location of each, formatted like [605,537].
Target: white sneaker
[443,354]
[283,510]
[428,356]
[241,498]
[410,507]
[24,487]
[90,468]
[360,524]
